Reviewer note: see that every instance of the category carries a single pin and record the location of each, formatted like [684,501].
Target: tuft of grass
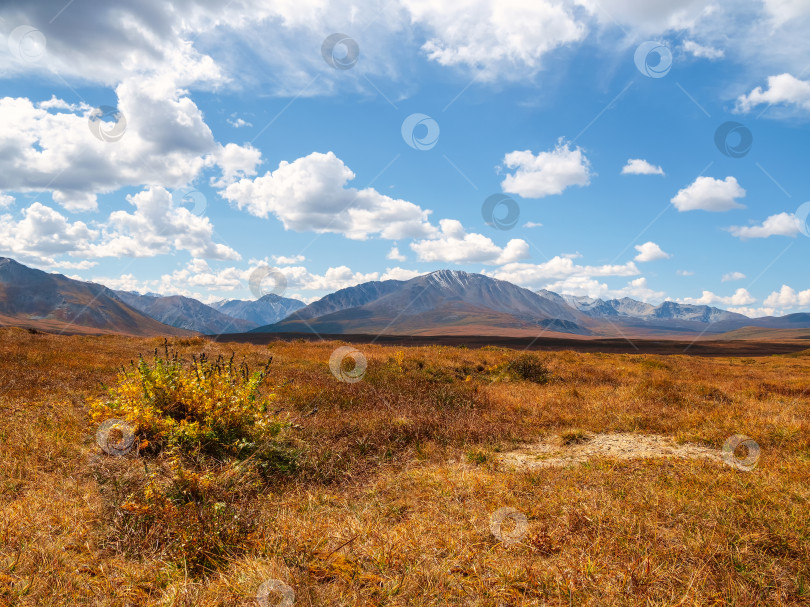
[574,436]
[477,457]
[652,363]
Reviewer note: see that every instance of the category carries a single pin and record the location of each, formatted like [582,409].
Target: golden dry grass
[397,482]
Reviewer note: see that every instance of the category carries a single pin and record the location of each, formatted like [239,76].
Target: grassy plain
[387,487]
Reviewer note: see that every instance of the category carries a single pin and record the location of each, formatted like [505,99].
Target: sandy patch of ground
[551,451]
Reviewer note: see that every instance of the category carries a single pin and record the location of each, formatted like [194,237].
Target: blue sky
[178,148]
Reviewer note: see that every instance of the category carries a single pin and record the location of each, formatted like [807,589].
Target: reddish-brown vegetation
[388,484]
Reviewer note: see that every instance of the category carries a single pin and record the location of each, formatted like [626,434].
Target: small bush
[209,407]
[214,441]
[530,368]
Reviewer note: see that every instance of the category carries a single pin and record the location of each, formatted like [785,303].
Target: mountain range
[53,302]
[444,302]
[264,311]
[459,303]
[40,300]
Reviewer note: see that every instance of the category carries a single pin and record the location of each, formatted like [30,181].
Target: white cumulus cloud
[788,298]
[741,297]
[785,10]
[395,254]
[590,287]
[710,194]
[284,260]
[546,173]
[455,245]
[753,312]
[400,274]
[558,268]
[199,275]
[42,234]
[158,227]
[783,224]
[704,52]
[782,89]
[238,123]
[649,251]
[651,16]
[311,194]
[504,39]
[732,276]
[638,166]
[166,143]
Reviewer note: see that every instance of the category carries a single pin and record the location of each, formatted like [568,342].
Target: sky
[604,148]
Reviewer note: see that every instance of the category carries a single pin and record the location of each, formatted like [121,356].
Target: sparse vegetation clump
[212,439]
[530,368]
[206,407]
[477,457]
[574,436]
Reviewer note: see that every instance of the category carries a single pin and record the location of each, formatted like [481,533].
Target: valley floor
[401,481]
[696,345]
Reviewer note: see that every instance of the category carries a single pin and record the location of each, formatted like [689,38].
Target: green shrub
[530,368]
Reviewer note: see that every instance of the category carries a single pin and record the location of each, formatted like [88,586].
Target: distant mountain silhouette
[266,310]
[450,302]
[445,302]
[669,310]
[671,317]
[185,313]
[37,299]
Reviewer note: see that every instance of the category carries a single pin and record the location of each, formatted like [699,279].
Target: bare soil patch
[622,446]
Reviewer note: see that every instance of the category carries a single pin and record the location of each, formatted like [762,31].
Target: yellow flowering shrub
[214,407]
[399,357]
[211,440]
